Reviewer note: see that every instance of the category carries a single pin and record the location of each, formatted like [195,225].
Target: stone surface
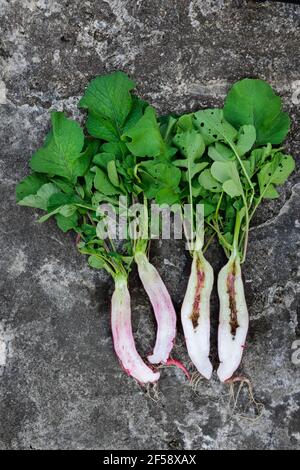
[60,384]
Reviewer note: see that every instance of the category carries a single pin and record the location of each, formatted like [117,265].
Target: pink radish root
[123,339]
[163,309]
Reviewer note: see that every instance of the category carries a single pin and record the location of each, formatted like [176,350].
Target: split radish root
[195,314]
[163,309]
[233,320]
[124,344]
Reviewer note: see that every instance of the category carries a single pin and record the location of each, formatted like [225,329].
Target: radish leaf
[41,198]
[59,156]
[108,99]
[144,139]
[254,102]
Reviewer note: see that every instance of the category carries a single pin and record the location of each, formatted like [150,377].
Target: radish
[163,309]
[124,344]
[195,312]
[195,316]
[233,319]
[224,160]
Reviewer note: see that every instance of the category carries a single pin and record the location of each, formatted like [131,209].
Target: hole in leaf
[215,136]
[202,124]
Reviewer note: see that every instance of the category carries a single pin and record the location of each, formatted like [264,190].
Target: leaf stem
[246,233]
[209,242]
[215,227]
[244,171]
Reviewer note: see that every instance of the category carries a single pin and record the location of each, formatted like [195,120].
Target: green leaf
[167,196]
[209,182]
[191,145]
[67,223]
[100,197]
[232,188]
[185,123]
[63,184]
[80,190]
[214,127]
[59,199]
[108,98]
[83,163]
[96,262]
[118,149]
[102,183]
[102,128]
[67,210]
[270,192]
[29,185]
[274,173]
[112,173]
[144,139]
[246,139]
[254,102]
[209,208]
[102,159]
[89,181]
[258,157]
[61,152]
[41,198]
[227,173]
[137,111]
[220,152]
[229,222]
[156,176]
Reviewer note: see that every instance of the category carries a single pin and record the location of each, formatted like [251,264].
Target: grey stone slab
[60,384]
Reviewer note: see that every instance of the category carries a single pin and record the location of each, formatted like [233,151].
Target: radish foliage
[226,160]
[73,174]
[232,162]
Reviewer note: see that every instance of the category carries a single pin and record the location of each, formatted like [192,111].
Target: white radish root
[163,309]
[233,319]
[195,314]
[123,339]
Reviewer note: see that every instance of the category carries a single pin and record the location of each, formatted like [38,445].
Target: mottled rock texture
[60,384]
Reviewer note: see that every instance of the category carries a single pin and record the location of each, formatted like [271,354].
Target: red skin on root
[176,363]
[123,339]
[128,372]
[163,309]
